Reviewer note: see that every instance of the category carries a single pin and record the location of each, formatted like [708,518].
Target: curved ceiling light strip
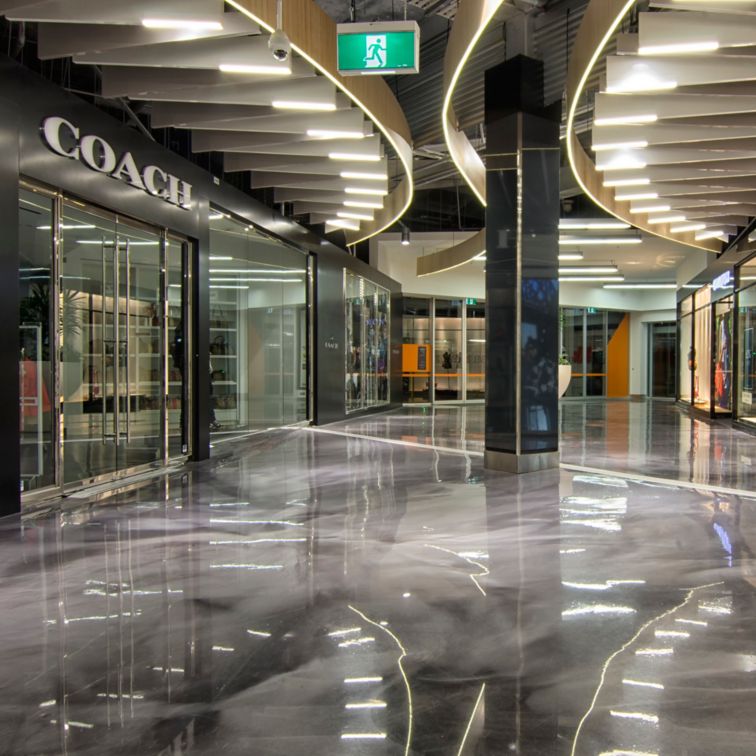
[600,23]
[452,257]
[470,22]
[313,36]
[473,16]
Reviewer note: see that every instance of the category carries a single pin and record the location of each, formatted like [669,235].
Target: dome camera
[279,45]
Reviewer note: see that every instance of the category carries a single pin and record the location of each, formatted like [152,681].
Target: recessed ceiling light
[626,120]
[622,163]
[636,196]
[335,134]
[578,269]
[360,203]
[303,105]
[362,175]
[355,216]
[651,209]
[628,182]
[602,240]
[270,69]
[356,156]
[642,81]
[586,279]
[666,219]
[67,226]
[342,223]
[678,48]
[638,145]
[710,234]
[182,24]
[597,225]
[362,190]
[687,227]
[641,286]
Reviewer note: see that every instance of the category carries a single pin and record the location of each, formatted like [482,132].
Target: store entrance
[116,386]
[663,359]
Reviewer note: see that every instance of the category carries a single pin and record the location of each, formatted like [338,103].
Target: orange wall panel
[618,361]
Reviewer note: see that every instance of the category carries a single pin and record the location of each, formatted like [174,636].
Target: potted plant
[565,373]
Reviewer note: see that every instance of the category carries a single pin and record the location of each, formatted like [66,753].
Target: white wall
[401,265]
[650,306]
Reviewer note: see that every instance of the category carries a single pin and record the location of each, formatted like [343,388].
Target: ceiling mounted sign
[381,47]
[65,139]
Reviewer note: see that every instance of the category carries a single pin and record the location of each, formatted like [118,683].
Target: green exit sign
[471,301]
[382,47]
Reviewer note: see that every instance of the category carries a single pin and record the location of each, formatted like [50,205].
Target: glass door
[448,359]
[89,359]
[139,347]
[663,359]
[122,345]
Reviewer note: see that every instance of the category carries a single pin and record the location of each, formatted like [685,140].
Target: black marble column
[522,289]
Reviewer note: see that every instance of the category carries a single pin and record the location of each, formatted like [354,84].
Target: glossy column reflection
[521,705]
[522,294]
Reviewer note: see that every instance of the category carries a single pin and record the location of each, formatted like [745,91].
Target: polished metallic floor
[324,591]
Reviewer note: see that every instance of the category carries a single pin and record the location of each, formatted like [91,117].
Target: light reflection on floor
[311,593]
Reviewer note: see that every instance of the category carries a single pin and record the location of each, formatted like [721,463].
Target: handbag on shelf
[218,317]
[218,345]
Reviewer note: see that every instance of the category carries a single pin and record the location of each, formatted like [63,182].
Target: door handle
[103,356]
[128,343]
[116,344]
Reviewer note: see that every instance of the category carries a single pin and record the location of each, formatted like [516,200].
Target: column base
[520,463]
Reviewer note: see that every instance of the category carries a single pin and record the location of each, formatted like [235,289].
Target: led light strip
[387,133]
[575,99]
[488,11]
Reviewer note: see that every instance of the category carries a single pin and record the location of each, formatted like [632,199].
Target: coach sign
[65,139]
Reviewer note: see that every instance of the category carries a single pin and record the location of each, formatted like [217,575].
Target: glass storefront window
[723,314]
[102,332]
[367,324]
[367,317]
[572,346]
[476,352]
[447,358]
[702,349]
[686,357]
[416,350]
[595,353]
[258,329]
[746,400]
[36,339]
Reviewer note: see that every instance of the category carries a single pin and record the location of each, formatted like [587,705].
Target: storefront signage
[380,47]
[723,281]
[65,139]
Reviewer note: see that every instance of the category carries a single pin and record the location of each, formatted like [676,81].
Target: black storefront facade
[149,308]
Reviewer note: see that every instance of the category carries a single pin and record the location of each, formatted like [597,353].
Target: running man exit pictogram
[376,51]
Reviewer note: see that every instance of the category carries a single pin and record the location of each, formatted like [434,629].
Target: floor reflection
[652,438]
[310,593]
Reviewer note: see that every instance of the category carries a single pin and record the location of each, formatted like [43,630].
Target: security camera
[279,45]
